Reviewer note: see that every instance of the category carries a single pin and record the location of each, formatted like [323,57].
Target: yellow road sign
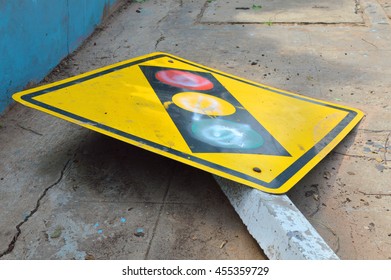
[257,135]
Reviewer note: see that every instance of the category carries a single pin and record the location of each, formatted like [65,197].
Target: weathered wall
[35,35]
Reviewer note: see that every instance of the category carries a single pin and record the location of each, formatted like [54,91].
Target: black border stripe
[274,184]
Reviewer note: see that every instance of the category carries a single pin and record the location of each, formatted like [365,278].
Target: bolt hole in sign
[254,134]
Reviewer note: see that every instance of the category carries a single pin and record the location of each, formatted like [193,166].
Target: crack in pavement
[170,178]
[11,245]
[158,27]
[386,147]
[329,229]
[374,130]
[351,155]
[375,194]
[363,157]
[161,38]
[318,203]
[201,14]
[30,130]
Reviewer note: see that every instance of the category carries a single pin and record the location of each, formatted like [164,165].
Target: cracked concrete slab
[107,180]
[280,11]
[102,192]
[31,172]
[353,185]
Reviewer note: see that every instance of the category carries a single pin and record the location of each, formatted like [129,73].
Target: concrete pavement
[69,193]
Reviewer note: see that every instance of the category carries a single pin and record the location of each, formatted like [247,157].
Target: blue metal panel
[36,34]
[84,16]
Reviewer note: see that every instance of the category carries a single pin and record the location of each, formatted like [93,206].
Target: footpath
[70,193]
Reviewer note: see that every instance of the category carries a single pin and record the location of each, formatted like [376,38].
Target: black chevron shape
[238,132]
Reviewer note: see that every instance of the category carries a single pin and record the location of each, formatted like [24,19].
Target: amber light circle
[183,79]
[204,104]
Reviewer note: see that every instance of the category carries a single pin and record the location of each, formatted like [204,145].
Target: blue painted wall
[35,35]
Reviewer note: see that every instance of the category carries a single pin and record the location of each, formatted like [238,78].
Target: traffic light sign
[248,132]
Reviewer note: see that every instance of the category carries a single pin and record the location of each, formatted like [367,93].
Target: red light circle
[183,79]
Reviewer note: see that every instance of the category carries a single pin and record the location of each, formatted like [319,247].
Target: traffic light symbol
[210,119]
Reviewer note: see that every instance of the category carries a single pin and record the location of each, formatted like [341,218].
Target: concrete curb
[276,224]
